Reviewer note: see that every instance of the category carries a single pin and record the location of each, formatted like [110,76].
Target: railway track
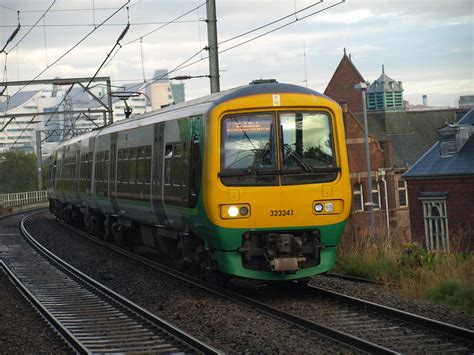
[400,331]
[91,317]
[363,325]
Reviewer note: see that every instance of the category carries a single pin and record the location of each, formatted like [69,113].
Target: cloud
[349,17]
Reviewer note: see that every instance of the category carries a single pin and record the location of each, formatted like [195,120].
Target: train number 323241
[281,213]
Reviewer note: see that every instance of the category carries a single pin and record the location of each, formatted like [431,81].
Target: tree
[17,172]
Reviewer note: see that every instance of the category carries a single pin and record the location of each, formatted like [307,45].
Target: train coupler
[287,264]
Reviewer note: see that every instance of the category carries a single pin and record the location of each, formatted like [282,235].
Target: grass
[410,270]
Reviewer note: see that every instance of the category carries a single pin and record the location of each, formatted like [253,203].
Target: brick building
[441,190]
[341,89]
[397,139]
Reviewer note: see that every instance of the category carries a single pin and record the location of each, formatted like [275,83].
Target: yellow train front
[276,190]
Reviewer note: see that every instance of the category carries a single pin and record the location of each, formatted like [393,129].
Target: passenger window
[148,164]
[141,165]
[168,160]
[177,175]
[133,166]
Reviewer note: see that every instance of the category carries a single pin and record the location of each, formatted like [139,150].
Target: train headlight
[328,207]
[235,211]
[318,207]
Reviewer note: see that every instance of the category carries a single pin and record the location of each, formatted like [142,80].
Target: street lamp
[363,88]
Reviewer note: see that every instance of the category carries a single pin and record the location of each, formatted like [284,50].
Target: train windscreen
[249,145]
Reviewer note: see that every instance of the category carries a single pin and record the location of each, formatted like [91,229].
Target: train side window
[89,166]
[133,166]
[101,167]
[141,165]
[168,161]
[97,166]
[119,165]
[126,166]
[177,173]
[148,164]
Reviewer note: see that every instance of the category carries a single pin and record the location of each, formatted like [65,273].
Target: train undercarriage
[283,252]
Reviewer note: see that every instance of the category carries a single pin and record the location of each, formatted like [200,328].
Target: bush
[454,293]
[18,172]
[410,270]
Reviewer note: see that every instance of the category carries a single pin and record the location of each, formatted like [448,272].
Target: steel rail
[328,332]
[80,277]
[427,323]
[63,331]
[349,278]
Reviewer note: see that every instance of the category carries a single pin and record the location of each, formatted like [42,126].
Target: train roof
[199,106]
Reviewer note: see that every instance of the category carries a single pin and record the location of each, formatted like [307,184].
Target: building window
[358,198]
[436,224]
[402,193]
[375,195]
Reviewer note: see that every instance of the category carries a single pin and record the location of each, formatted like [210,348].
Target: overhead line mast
[212,46]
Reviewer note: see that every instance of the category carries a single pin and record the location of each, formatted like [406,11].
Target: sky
[426,44]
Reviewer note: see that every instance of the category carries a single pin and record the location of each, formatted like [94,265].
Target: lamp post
[363,88]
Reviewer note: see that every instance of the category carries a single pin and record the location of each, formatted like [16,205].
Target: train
[252,182]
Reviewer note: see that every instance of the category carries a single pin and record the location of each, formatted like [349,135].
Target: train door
[195,162]
[112,188]
[157,174]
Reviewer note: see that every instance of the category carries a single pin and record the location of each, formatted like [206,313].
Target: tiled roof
[432,164]
[341,86]
[411,133]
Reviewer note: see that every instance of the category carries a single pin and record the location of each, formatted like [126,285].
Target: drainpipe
[382,174]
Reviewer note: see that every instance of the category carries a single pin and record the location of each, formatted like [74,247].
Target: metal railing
[23,198]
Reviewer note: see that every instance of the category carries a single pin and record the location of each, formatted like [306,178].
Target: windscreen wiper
[298,158]
[261,155]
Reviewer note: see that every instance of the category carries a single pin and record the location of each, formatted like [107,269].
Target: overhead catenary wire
[117,43]
[8,8]
[186,63]
[166,24]
[13,35]
[34,25]
[155,30]
[73,47]
[77,9]
[107,24]
[272,22]
[280,27]
[62,56]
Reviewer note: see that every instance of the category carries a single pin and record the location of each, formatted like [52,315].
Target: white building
[20,132]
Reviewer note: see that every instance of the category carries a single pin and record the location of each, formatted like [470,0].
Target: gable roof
[432,164]
[341,86]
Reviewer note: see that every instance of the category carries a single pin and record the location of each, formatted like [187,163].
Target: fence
[23,198]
